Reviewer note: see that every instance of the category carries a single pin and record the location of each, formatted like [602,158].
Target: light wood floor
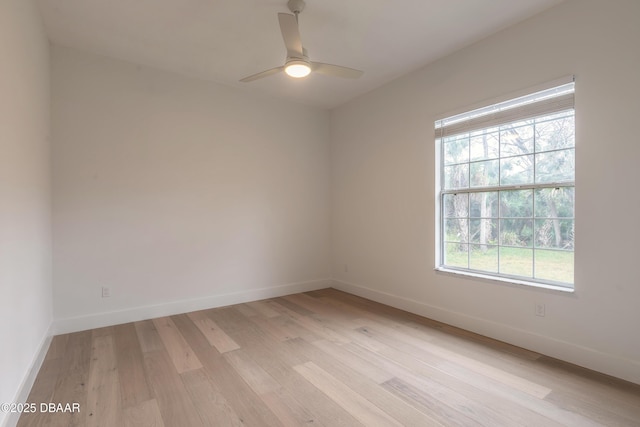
[322,358]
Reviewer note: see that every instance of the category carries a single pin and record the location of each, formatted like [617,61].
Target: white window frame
[542,100]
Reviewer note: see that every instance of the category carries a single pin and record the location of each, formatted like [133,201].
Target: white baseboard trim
[596,360]
[22,394]
[98,320]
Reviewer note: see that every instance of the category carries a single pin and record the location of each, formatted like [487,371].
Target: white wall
[383,218]
[179,194]
[25,207]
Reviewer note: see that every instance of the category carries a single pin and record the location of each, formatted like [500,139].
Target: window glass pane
[555,233]
[456,149]
[554,265]
[516,261]
[554,202]
[516,140]
[516,232]
[456,205]
[516,204]
[456,176]
[555,134]
[456,230]
[456,255]
[483,231]
[484,258]
[492,223]
[516,170]
[484,204]
[484,173]
[555,166]
[485,144]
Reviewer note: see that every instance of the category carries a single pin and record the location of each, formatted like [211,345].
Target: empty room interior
[433,227]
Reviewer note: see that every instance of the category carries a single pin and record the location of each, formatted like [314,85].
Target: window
[507,188]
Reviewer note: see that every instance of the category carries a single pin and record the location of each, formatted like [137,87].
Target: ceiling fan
[297,63]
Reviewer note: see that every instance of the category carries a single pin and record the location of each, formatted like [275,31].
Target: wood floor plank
[277,404]
[245,309]
[133,381]
[361,384]
[336,317]
[299,399]
[42,391]
[182,356]
[424,376]
[422,349]
[539,406]
[148,336]
[230,320]
[323,410]
[176,407]
[358,303]
[360,364]
[144,414]
[425,401]
[255,370]
[359,407]
[44,385]
[507,348]
[210,403]
[71,386]
[242,329]
[319,328]
[247,404]
[586,407]
[257,378]
[564,386]
[263,308]
[214,334]
[258,343]
[321,308]
[57,347]
[103,391]
[429,366]
[606,389]
[377,311]
[279,328]
[285,327]
[285,302]
[430,330]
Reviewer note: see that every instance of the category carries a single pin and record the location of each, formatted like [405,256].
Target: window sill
[505,280]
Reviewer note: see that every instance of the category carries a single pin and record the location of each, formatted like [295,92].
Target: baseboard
[596,360]
[22,395]
[98,320]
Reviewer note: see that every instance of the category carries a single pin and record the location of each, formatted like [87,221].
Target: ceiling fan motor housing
[296,6]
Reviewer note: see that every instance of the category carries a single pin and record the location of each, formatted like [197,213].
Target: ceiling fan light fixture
[297,68]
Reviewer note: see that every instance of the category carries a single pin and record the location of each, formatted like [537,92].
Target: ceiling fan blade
[262,74]
[336,70]
[290,34]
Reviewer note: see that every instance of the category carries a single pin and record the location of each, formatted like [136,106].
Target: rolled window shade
[549,101]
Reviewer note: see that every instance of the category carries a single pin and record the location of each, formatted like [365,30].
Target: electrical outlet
[540,309]
[106,292]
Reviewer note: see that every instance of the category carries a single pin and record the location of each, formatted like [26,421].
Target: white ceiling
[226,40]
